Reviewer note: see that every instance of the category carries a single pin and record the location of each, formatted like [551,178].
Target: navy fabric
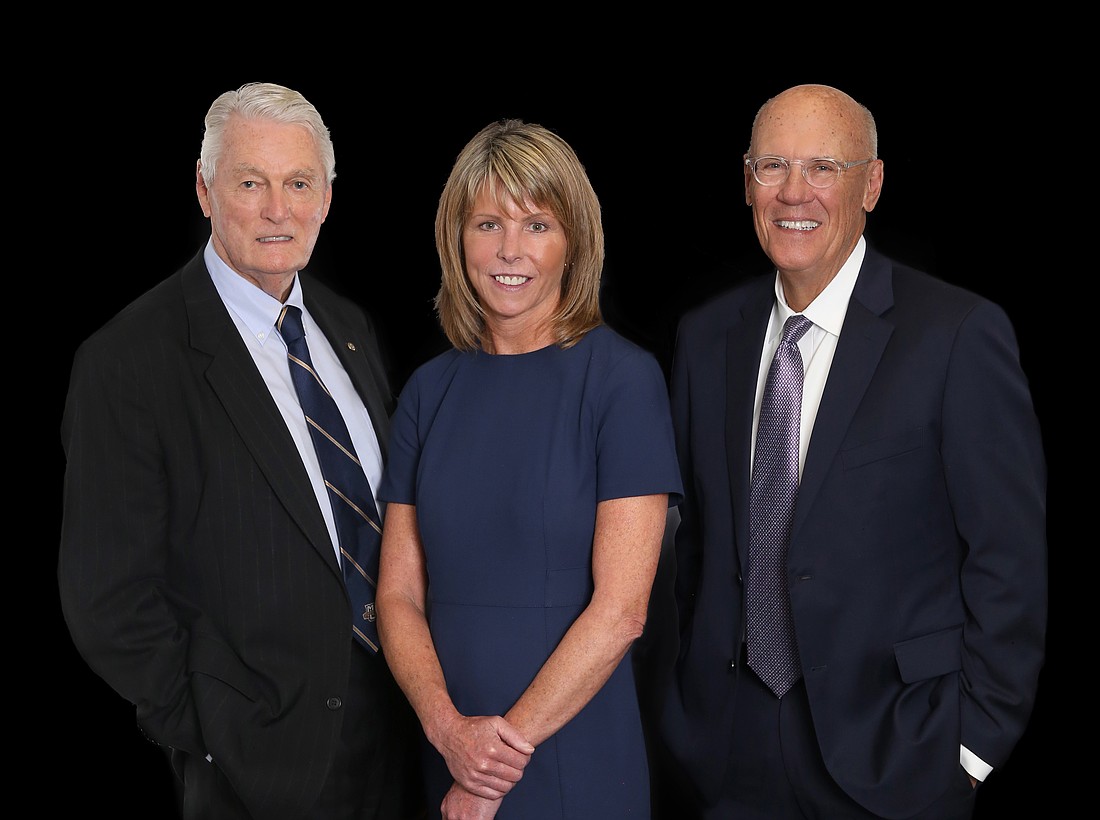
[506,459]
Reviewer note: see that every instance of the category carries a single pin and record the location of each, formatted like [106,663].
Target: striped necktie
[357,522]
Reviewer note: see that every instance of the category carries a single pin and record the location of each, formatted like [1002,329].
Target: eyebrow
[247,169]
[537,216]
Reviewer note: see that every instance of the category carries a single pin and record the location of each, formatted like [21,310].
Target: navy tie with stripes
[357,521]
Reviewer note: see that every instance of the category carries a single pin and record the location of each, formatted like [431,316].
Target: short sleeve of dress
[403,457]
[636,450]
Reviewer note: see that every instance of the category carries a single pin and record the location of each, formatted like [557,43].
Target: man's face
[806,231]
[268,201]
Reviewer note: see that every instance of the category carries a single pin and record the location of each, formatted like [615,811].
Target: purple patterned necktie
[772,649]
[358,525]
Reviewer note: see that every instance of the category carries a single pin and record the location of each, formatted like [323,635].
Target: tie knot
[290,324]
[795,327]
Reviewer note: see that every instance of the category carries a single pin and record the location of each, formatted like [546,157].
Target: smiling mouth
[511,280]
[283,238]
[798,224]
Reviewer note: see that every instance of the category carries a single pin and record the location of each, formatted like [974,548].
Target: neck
[514,340]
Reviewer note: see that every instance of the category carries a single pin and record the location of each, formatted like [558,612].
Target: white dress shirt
[254,312]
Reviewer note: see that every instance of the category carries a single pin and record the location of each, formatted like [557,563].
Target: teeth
[511,280]
[274,238]
[798,225]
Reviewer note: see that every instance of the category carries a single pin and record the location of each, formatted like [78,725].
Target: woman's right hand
[486,755]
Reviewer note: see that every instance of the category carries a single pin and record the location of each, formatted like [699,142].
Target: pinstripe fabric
[196,573]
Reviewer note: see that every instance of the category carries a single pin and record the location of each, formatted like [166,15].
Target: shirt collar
[828,309]
[256,309]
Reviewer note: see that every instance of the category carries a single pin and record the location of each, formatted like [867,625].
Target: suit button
[741,658]
[334,703]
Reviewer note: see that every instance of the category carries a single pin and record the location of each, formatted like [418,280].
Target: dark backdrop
[662,143]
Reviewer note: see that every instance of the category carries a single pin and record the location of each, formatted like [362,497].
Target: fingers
[513,737]
[483,756]
[494,774]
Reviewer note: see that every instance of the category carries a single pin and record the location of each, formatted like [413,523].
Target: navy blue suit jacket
[917,563]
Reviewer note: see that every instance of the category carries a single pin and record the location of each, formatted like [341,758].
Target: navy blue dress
[506,459]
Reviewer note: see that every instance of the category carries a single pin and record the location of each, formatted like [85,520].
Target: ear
[748,182]
[874,186]
[328,202]
[202,191]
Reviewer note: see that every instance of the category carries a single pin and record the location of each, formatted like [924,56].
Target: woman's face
[515,259]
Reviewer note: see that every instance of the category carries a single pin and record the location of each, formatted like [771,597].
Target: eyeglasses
[819,173]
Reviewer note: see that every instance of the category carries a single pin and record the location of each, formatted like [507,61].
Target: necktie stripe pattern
[335,443]
[358,525]
[772,646]
[355,507]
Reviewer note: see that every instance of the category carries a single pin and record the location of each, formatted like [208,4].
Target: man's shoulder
[144,315]
[921,292]
[720,309]
[152,316]
[323,297]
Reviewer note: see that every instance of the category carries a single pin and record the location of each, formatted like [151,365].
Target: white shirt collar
[256,309]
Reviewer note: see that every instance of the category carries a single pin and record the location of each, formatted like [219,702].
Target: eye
[487,225]
[248,184]
[538,227]
[300,185]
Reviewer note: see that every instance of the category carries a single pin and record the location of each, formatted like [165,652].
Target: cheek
[551,256]
[235,214]
[759,221]
[316,215]
[853,202]
[760,198]
[477,252]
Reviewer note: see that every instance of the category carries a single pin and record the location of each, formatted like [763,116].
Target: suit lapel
[744,343]
[240,388]
[356,355]
[859,350]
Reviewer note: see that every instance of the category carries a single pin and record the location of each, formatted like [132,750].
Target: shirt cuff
[974,765]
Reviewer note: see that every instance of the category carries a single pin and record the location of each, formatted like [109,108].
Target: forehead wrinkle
[250,169]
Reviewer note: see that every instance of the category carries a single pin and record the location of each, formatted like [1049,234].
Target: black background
[662,141]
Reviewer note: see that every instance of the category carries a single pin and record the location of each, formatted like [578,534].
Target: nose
[276,204]
[795,188]
[511,245]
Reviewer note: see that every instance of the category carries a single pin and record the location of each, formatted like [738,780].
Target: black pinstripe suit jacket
[196,574]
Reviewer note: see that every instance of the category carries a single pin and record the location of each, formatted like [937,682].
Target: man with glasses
[909,602]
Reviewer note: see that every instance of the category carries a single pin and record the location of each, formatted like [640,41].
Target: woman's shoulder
[607,342]
[434,369]
[603,337]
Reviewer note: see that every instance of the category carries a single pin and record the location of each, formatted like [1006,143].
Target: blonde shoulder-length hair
[517,161]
